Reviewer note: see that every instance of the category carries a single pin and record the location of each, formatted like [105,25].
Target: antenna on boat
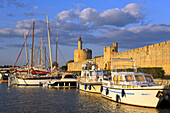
[49,43]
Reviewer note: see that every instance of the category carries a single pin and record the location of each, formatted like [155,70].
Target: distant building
[157,55]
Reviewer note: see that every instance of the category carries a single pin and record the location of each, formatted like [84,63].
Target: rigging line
[62,55]
[46,52]
[22,47]
[58,48]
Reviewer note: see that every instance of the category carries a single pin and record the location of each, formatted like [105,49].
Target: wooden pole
[49,43]
[41,51]
[26,51]
[56,54]
[32,46]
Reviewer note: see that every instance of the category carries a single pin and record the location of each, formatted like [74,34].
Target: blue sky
[131,23]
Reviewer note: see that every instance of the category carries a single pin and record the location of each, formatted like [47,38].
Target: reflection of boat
[134,88]
[63,80]
[91,78]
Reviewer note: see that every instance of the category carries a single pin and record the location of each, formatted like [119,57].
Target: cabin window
[148,78]
[68,76]
[129,78]
[139,78]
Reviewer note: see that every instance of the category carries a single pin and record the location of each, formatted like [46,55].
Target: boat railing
[130,84]
[162,81]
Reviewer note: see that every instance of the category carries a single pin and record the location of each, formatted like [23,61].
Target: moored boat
[134,88]
[91,78]
[63,80]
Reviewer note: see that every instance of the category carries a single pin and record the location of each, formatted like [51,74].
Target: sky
[130,23]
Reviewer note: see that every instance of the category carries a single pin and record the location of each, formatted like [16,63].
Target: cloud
[101,28]
[31,13]
[35,7]
[131,13]
[10,14]
[12,2]
[1,3]
[15,3]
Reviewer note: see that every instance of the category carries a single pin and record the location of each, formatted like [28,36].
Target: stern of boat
[164,97]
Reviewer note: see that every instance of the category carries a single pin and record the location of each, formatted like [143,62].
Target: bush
[156,72]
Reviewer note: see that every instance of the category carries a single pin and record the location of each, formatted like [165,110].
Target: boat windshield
[68,76]
[139,78]
[95,73]
[148,78]
[129,78]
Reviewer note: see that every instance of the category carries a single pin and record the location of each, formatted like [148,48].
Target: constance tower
[82,54]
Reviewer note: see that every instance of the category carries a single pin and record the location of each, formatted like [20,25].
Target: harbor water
[39,99]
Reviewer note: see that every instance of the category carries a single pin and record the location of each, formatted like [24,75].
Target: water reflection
[104,105]
[39,99]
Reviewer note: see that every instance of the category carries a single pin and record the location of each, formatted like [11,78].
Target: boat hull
[31,82]
[136,97]
[90,87]
[63,83]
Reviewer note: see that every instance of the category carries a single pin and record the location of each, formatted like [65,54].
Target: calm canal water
[39,99]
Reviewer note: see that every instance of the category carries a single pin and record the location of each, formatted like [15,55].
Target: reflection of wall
[157,55]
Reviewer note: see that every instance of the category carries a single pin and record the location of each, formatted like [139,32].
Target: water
[39,99]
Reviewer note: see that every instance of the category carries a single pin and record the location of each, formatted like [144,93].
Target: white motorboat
[91,78]
[64,80]
[134,88]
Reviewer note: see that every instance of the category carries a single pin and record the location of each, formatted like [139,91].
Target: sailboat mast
[32,46]
[56,54]
[49,43]
[45,58]
[41,57]
[26,49]
[30,56]
[37,57]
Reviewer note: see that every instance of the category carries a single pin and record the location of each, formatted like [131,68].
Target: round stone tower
[82,54]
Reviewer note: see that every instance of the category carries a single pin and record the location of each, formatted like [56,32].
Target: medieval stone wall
[157,55]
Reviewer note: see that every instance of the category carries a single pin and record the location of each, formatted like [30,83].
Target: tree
[64,68]
[54,64]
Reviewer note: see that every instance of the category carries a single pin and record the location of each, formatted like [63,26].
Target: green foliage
[54,64]
[156,72]
[98,56]
[64,68]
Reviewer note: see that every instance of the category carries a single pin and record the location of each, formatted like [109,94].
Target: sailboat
[32,77]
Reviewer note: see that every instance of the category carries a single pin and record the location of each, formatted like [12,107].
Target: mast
[56,54]
[41,57]
[45,58]
[32,46]
[30,56]
[49,43]
[37,57]
[26,49]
